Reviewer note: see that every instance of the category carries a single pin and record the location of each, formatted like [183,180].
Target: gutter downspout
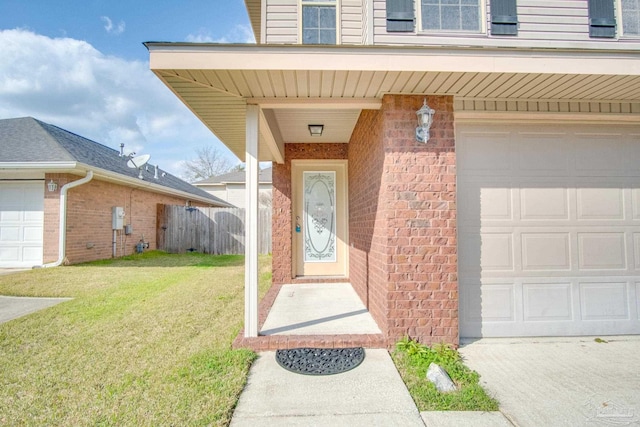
[62,240]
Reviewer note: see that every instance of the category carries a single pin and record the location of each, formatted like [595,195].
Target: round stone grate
[320,361]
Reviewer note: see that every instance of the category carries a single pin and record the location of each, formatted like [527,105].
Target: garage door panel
[547,301]
[496,252]
[539,203]
[602,251]
[553,247]
[485,200]
[9,215]
[488,154]
[10,234]
[600,155]
[32,234]
[604,301]
[636,202]
[546,251]
[492,302]
[9,254]
[32,255]
[540,154]
[600,203]
[33,216]
[637,299]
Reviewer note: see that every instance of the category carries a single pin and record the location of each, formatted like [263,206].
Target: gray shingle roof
[237,176]
[26,140]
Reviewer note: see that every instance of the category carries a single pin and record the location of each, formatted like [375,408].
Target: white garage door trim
[549,229]
[21,223]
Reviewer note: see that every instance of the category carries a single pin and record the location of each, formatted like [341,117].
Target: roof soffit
[216,81]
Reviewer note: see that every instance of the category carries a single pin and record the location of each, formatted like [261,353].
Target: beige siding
[550,24]
[282,22]
[351,21]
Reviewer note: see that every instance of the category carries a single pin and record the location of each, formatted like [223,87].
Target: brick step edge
[286,342]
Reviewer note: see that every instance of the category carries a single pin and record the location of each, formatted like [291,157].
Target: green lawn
[146,341]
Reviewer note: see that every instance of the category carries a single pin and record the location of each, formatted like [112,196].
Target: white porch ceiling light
[316,130]
[425,119]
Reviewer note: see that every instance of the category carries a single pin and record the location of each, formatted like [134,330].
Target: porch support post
[251,223]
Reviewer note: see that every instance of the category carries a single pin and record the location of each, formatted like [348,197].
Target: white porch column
[251,224]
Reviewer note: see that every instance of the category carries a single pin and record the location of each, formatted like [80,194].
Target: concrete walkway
[372,394]
[561,381]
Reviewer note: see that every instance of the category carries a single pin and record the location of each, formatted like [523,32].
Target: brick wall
[281,220]
[368,261]
[419,185]
[89,232]
[403,258]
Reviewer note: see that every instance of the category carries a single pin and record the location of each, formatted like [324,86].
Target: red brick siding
[281,219]
[419,185]
[368,264]
[89,232]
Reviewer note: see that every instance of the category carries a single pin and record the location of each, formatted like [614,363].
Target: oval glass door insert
[319,216]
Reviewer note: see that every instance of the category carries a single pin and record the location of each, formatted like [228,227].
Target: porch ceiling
[301,85]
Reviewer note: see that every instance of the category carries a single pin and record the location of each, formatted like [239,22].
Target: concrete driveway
[561,381]
[14,307]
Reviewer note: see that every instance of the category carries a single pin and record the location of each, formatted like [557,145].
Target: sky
[81,65]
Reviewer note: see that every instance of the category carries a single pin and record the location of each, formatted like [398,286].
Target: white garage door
[21,223]
[549,230]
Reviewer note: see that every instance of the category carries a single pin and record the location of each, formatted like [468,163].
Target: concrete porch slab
[318,309]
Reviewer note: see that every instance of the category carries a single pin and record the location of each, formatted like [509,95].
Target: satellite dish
[138,161]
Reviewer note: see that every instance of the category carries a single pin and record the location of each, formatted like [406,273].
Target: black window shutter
[504,17]
[602,19]
[400,16]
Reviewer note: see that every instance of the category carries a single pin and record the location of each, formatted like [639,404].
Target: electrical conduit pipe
[62,228]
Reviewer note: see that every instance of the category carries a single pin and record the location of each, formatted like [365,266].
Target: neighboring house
[230,187]
[521,214]
[46,171]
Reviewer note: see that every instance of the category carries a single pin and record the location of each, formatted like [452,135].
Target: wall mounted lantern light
[316,130]
[52,186]
[425,119]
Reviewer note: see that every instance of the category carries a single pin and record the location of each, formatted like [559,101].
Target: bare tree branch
[209,162]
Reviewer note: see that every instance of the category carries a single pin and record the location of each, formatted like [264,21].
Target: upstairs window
[631,17]
[319,22]
[450,15]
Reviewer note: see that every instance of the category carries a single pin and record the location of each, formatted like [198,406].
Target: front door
[319,212]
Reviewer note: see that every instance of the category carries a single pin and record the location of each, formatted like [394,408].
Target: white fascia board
[55,167]
[185,56]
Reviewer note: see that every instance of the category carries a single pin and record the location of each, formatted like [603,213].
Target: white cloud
[238,34]
[110,28]
[70,84]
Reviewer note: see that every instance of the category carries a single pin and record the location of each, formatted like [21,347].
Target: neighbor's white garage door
[549,230]
[21,223]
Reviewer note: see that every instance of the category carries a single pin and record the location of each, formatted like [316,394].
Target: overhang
[298,85]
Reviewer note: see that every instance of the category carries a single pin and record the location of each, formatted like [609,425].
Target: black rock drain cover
[320,361]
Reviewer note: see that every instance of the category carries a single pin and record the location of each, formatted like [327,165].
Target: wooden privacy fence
[209,230]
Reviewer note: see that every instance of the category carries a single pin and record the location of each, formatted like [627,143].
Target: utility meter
[117,214]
